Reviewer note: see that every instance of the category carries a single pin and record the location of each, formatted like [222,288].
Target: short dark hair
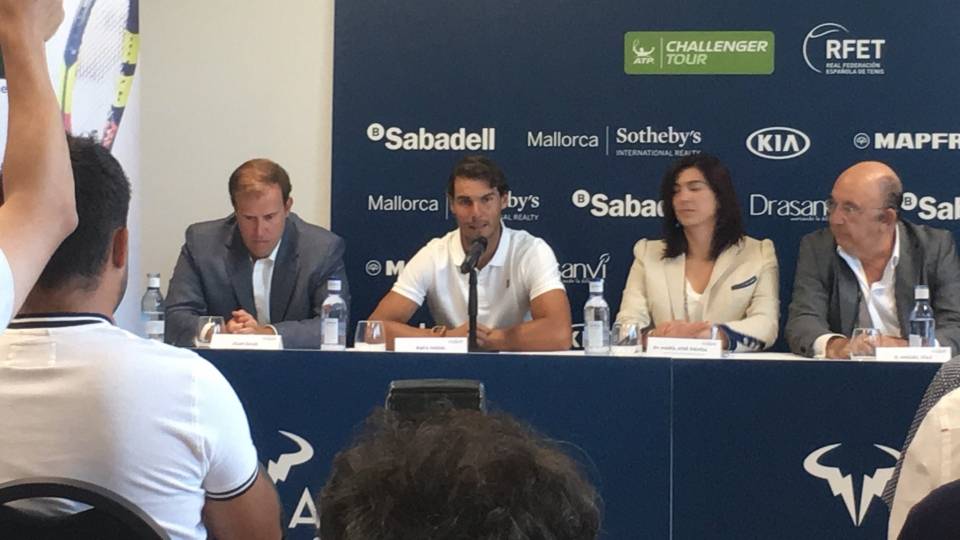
[103,200]
[729,228]
[479,168]
[260,170]
[458,474]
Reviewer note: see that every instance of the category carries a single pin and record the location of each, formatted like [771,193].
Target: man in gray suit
[863,269]
[263,269]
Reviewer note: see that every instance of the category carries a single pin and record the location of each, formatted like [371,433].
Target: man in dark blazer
[863,269]
[263,269]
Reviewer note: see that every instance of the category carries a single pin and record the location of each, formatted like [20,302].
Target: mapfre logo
[603,205]
[389,268]
[778,143]
[929,208]
[908,141]
[396,138]
[842,485]
[278,471]
[831,49]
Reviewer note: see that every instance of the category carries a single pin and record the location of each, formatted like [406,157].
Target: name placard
[430,344]
[913,354]
[685,347]
[246,341]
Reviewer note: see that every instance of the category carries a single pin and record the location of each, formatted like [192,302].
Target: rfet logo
[842,485]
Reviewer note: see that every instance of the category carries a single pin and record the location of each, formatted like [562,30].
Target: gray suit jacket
[214,273]
[826,296]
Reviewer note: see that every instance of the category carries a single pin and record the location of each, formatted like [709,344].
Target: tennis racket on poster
[99,61]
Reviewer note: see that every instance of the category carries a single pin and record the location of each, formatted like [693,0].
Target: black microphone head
[482,240]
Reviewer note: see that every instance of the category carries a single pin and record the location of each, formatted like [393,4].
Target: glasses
[847,209]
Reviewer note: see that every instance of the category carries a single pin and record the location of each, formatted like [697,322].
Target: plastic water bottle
[596,321]
[334,316]
[151,309]
[922,323]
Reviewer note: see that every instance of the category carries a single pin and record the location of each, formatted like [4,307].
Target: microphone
[477,247]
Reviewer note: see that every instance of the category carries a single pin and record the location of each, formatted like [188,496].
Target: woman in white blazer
[706,274]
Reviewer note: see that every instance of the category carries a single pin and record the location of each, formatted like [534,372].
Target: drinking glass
[370,336]
[863,343]
[207,327]
[625,339]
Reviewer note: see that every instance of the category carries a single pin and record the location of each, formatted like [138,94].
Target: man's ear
[119,248]
[287,205]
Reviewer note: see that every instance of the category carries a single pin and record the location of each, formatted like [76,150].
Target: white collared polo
[522,268]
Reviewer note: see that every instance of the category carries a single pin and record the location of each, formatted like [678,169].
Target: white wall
[222,82]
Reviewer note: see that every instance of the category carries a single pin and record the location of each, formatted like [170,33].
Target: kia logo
[778,143]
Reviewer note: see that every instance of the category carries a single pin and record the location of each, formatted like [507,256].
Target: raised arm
[39,208]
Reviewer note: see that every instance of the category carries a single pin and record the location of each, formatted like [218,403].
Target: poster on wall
[92,60]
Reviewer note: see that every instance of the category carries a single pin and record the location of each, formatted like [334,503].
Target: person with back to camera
[458,474]
[706,275]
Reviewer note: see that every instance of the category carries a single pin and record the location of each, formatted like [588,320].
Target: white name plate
[246,341]
[913,354]
[685,347]
[430,344]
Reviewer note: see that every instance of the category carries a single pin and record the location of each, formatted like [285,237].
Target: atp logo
[842,485]
[643,56]
[279,469]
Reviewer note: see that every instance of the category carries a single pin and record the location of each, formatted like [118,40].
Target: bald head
[876,181]
[865,202]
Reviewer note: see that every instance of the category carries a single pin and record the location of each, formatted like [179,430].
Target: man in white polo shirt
[521,302]
[39,210]
[83,399]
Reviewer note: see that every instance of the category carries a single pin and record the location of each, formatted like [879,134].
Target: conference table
[740,447]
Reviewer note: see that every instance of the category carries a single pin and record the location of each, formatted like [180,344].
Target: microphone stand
[472,312]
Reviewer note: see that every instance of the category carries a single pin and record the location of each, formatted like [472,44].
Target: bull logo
[842,484]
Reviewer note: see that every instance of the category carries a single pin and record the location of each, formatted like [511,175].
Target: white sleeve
[6,291]
[416,278]
[931,460]
[540,269]
[230,457]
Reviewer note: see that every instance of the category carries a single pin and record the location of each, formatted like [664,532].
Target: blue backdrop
[543,87]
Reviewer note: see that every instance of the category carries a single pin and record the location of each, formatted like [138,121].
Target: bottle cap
[333,285]
[596,286]
[153,280]
[921,292]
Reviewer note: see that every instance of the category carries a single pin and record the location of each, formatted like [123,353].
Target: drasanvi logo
[841,485]
[306,510]
[893,140]
[643,56]
[778,142]
[603,205]
[930,208]
[389,268]
[826,52]
[584,272]
[396,138]
[793,209]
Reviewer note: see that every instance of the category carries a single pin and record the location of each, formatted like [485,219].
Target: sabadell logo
[396,138]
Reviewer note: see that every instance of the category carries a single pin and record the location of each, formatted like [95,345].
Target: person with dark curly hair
[457,474]
[705,277]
